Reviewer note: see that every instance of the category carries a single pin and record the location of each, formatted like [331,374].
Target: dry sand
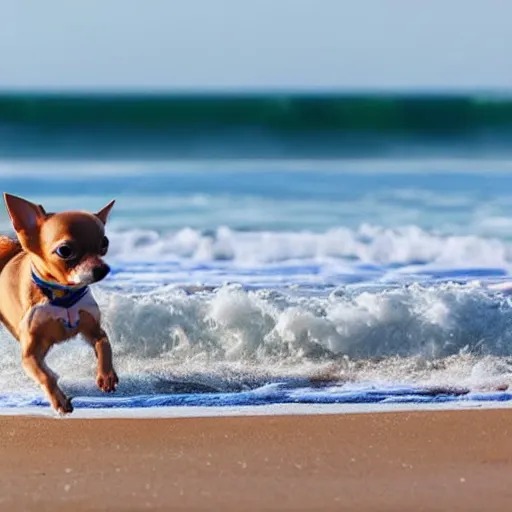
[406,461]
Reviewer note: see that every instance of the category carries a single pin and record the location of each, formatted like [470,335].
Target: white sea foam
[367,244]
[232,339]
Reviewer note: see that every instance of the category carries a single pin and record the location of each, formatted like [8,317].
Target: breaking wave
[367,244]
[232,339]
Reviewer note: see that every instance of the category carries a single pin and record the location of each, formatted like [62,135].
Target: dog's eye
[104,245]
[65,251]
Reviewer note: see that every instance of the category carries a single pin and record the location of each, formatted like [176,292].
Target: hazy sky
[181,44]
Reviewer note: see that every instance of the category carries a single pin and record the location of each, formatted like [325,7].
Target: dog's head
[66,248]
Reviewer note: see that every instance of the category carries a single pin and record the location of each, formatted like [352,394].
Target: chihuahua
[44,288]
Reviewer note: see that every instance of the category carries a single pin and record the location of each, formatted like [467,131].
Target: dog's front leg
[33,354]
[106,377]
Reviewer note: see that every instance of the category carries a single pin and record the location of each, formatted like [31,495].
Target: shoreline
[299,409]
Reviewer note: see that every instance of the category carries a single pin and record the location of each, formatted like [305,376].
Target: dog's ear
[25,216]
[104,212]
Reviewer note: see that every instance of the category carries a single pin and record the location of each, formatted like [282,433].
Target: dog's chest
[58,322]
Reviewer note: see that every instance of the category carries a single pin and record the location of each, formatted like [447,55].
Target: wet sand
[403,461]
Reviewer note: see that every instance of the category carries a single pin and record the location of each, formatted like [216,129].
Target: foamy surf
[367,244]
[237,347]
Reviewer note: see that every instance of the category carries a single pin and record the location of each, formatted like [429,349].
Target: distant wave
[366,245]
[269,125]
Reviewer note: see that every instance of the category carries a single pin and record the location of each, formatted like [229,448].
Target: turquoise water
[281,125]
[253,279]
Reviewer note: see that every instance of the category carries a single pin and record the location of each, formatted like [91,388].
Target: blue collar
[59,295]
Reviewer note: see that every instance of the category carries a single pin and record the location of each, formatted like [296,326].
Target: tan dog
[44,294]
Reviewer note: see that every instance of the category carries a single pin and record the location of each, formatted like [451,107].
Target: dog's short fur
[64,249]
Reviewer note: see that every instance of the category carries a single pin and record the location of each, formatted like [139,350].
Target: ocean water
[253,279]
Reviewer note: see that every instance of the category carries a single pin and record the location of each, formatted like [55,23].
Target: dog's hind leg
[33,355]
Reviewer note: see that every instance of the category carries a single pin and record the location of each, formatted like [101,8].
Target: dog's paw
[107,381]
[61,403]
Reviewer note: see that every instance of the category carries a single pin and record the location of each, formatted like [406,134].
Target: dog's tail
[8,249]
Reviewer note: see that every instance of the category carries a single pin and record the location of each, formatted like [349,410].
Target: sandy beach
[457,460]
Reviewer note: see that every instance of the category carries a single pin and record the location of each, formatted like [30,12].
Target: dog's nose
[100,272]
